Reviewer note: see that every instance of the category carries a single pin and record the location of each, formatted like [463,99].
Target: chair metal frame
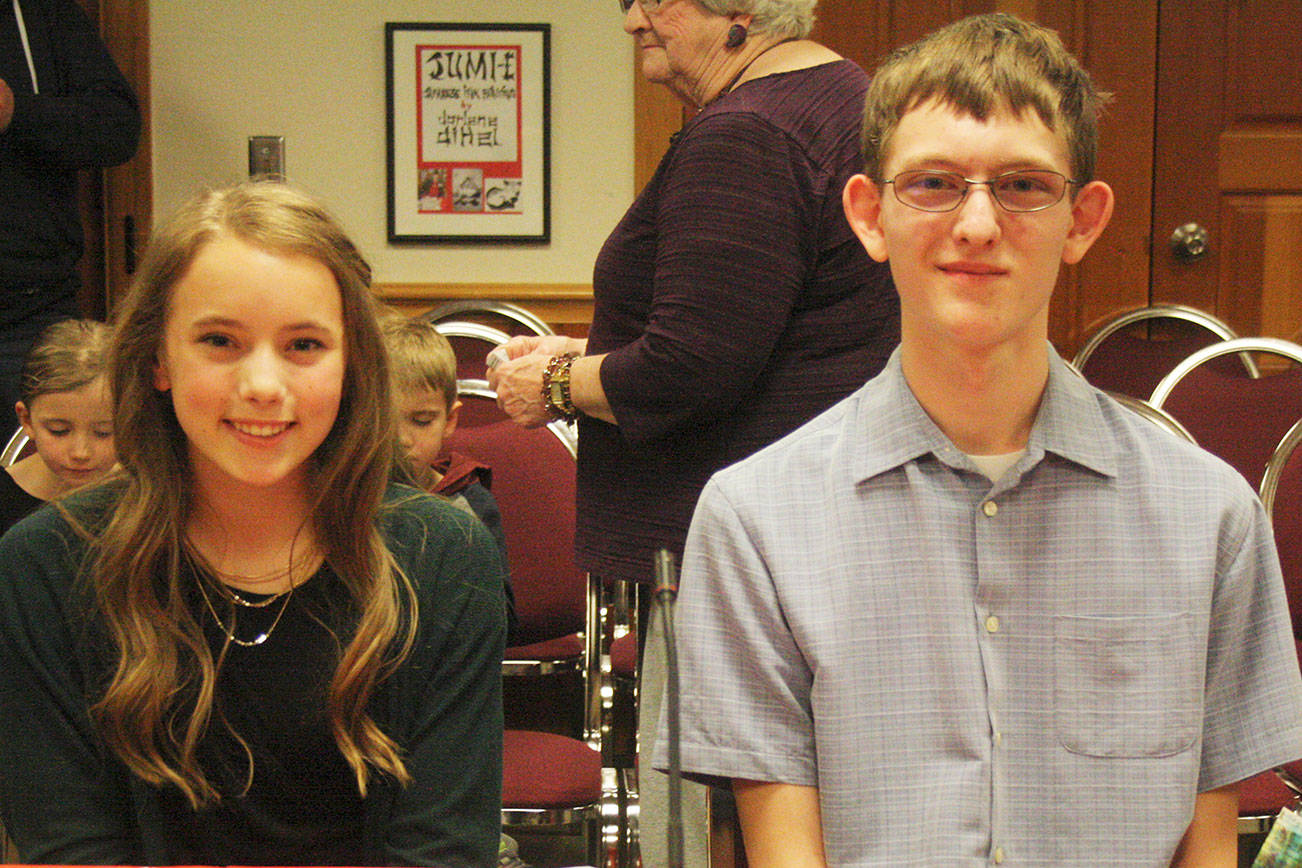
[474,330]
[449,310]
[1275,467]
[14,448]
[1245,347]
[1154,311]
[1253,823]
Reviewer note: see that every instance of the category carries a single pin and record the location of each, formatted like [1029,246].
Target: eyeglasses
[1020,192]
[625,5]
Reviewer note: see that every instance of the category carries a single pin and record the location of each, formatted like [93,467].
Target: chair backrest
[1132,351]
[1241,419]
[501,315]
[18,446]
[1281,494]
[534,485]
[471,342]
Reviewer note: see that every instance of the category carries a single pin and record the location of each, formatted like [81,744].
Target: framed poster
[468,126]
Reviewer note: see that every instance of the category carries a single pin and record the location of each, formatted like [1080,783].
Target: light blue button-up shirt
[1042,671]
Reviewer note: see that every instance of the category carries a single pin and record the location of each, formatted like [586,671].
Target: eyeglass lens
[1025,190]
[625,5]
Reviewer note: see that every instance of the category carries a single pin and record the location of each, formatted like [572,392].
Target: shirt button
[999,739]
[992,624]
[990,508]
[999,855]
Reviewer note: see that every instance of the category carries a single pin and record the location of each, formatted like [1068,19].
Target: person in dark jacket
[64,106]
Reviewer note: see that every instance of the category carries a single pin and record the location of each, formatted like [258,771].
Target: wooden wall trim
[436,292]
[567,307]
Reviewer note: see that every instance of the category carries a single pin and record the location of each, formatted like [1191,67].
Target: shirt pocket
[1128,686]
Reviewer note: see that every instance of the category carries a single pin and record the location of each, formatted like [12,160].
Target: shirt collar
[1069,424]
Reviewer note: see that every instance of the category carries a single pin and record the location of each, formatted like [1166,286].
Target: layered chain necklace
[204,571]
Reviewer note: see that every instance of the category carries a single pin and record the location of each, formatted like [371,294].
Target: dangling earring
[736,36]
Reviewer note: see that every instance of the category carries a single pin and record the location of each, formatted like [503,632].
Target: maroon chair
[1281,495]
[550,779]
[1132,351]
[1239,418]
[478,404]
[1263,796]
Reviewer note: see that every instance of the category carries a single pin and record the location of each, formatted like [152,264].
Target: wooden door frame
[117,204]
[129,188]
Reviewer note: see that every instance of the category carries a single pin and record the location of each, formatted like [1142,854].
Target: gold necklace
[200,567]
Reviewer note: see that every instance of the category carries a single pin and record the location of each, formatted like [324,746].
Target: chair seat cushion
[1262,795]
[623,655]
[546,770]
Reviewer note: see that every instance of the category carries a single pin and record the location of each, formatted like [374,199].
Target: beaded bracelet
[556,387]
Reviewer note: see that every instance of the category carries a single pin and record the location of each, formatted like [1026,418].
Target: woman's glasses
[1020,192]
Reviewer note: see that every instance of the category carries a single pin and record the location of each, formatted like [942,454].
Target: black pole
[666,591]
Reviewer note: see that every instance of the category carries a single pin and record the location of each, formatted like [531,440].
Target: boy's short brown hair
[419,357]
[978,65]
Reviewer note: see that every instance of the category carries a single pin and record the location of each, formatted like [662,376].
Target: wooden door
[1228,158]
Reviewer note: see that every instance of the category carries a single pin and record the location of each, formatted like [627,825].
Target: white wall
[313,71]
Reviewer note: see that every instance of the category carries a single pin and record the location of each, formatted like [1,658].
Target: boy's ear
[24,417]
[453,413]
[1090,212]
[862,202]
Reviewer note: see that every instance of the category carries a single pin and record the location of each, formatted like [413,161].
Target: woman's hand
[523,345]
[518,384]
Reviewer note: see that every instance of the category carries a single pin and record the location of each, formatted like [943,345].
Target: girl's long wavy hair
[158,701]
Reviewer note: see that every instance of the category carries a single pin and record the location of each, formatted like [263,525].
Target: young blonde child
[248,647]
[66,411]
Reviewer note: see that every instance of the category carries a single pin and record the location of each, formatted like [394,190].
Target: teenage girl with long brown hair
[248,648]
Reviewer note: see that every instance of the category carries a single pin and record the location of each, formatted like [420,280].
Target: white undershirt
[995,466]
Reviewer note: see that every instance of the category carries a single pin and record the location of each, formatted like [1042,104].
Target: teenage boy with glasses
[978,613]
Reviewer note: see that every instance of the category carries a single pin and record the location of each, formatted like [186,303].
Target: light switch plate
[267,156]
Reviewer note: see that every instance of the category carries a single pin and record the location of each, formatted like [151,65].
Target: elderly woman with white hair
[732,302]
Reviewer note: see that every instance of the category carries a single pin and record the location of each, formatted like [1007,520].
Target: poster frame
[437,194]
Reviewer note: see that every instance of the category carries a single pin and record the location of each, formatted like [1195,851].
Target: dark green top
[66,799]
